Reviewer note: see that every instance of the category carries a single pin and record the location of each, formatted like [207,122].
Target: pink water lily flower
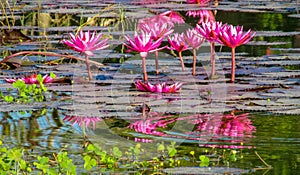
[157,30]
[178,43]
[210,31]
[32,79]
[194,40]
[86,43]
[144,44]
[234,36]
[161,88]
[83,121]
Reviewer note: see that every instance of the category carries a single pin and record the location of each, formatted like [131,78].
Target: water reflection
[213,130]
[82,121]
[41,128]
[228,130]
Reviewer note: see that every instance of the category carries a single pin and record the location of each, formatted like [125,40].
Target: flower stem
[144,69]
[46,54]
[181,61]
[194,62]
[212,59]
[232,64]
[88,67]
[156,62]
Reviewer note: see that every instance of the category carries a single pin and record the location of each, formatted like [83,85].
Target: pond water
[257,116]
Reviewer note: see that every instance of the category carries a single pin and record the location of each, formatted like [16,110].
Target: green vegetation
[26,93]
[94,159]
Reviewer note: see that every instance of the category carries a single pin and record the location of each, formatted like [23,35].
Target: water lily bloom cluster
[213,31]
[86,43]
[148,38]
[164,88]
[151,32]
[32,79]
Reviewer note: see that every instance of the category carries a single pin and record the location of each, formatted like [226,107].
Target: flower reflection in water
[211,130]
[82,121]
[150,123]
[230,129]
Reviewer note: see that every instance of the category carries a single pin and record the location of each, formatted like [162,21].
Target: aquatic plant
[33,79]
[6,59]
[194,40]
[163,87]
[159,26]
[95,159]
[210,31]
[29,90]
[144,44]
[86,43]
[157,30]
[177,42]
[8,13]
[234,36]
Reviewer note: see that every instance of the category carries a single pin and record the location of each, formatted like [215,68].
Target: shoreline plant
[29,89]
